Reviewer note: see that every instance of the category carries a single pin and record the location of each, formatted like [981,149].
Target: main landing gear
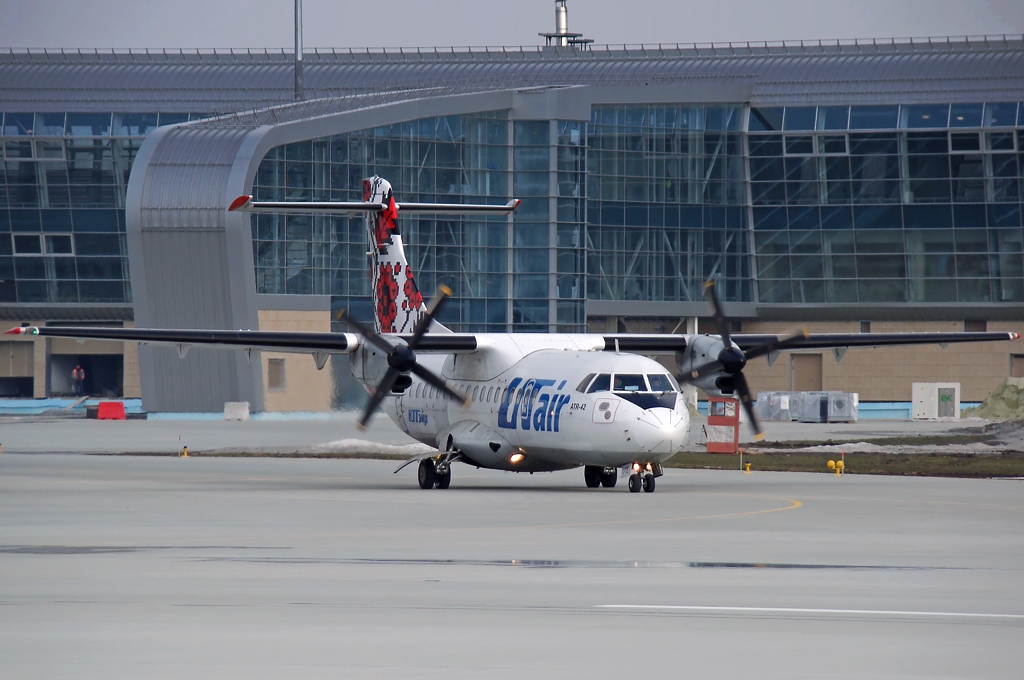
[433,473]
[596,475]
[643,477]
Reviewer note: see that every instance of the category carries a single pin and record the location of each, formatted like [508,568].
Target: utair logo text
[415,415]
[527,405]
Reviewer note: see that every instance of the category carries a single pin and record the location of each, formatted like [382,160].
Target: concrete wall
[305,387]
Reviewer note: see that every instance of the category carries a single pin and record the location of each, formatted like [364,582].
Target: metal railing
[532,52]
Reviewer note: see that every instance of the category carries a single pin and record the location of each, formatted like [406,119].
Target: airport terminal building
[837,186]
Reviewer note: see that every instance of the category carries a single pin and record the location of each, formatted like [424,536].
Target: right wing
[275,341]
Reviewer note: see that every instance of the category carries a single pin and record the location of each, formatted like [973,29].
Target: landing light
[636,467]
[516,457]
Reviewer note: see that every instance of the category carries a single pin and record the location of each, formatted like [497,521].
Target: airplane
[522,402]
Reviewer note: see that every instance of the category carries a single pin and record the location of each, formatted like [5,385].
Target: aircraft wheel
[592,476]
[425,475]
[635,483]
[649,483]
[443,481]
[608,479]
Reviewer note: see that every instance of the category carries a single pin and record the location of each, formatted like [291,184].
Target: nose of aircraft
[661,430]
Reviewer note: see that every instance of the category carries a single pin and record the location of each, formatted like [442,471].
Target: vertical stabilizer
[397,302]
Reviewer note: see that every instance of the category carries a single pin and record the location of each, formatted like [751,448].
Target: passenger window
[583,383]
[629,382]
[660,383]
[476,393]
[602,383]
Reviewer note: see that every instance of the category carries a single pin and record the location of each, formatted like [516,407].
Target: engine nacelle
[702,350]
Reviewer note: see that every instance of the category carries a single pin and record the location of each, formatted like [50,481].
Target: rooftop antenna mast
[300,89]
[562,37]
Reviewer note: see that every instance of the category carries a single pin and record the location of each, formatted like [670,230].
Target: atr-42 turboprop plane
[525,402]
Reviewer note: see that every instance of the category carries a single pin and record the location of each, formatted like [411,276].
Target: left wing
[669,344]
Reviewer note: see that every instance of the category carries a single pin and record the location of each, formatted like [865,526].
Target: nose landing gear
[643,477]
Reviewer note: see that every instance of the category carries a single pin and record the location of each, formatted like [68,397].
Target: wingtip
[467,403]
[710,283]
[361,427]
[239,202]
[445,289]
[759,437]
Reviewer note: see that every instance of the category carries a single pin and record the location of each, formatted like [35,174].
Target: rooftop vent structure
[562,37]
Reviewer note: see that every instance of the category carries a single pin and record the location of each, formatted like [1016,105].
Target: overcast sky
[426,23]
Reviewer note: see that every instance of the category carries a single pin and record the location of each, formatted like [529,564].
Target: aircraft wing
[670,343]
[275,341]
[843,340]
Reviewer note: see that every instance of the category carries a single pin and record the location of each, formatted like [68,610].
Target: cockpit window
[602,383]
[661,383]
[629,382]
[583,383]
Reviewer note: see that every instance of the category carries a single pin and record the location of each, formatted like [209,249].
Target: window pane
[1001,115]
[799,118]
[873,117]
[965,115]
[629,382]
[833,117]
[927,116]
[602,383]
[27,244]
[58,245]
[765,120]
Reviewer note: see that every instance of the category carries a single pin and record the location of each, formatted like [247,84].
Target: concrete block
[236,410]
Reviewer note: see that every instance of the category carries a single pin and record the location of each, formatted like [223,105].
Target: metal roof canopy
[191,260]
[908,71]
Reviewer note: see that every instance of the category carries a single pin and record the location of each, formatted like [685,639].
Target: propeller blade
[721,320]
[704,371]
[743,391]
[443,293]
[776,345]
[438,382]
[367,333]
[383,389]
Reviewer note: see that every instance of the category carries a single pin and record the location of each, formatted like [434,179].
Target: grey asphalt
[124,566]
[39,434]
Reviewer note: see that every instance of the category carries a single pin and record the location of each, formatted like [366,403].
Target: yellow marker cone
[184,452]
[746,468]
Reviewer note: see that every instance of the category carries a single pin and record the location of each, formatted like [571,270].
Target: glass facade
[63,179]
[499,269]
[870,205]
[667,203]
[888,204]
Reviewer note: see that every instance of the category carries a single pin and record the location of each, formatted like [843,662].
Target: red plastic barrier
[111,410]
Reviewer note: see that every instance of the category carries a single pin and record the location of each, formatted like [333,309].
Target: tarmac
[337,432]
[163,567]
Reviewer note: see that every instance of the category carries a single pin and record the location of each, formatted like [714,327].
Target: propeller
[731,359]
[402,357]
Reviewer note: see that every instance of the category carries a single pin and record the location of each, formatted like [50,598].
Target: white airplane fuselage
[530,407]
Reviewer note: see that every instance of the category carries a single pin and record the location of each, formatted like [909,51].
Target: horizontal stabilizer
[457,208]
[246,204]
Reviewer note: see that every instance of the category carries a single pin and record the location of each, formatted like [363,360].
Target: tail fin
[397,302]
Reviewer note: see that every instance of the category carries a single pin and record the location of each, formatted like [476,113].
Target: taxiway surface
[116,567]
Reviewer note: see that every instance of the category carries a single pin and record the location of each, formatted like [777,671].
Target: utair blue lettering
[416,416]
[526,404]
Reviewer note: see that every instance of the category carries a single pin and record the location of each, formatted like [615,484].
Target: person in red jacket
[78,379]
